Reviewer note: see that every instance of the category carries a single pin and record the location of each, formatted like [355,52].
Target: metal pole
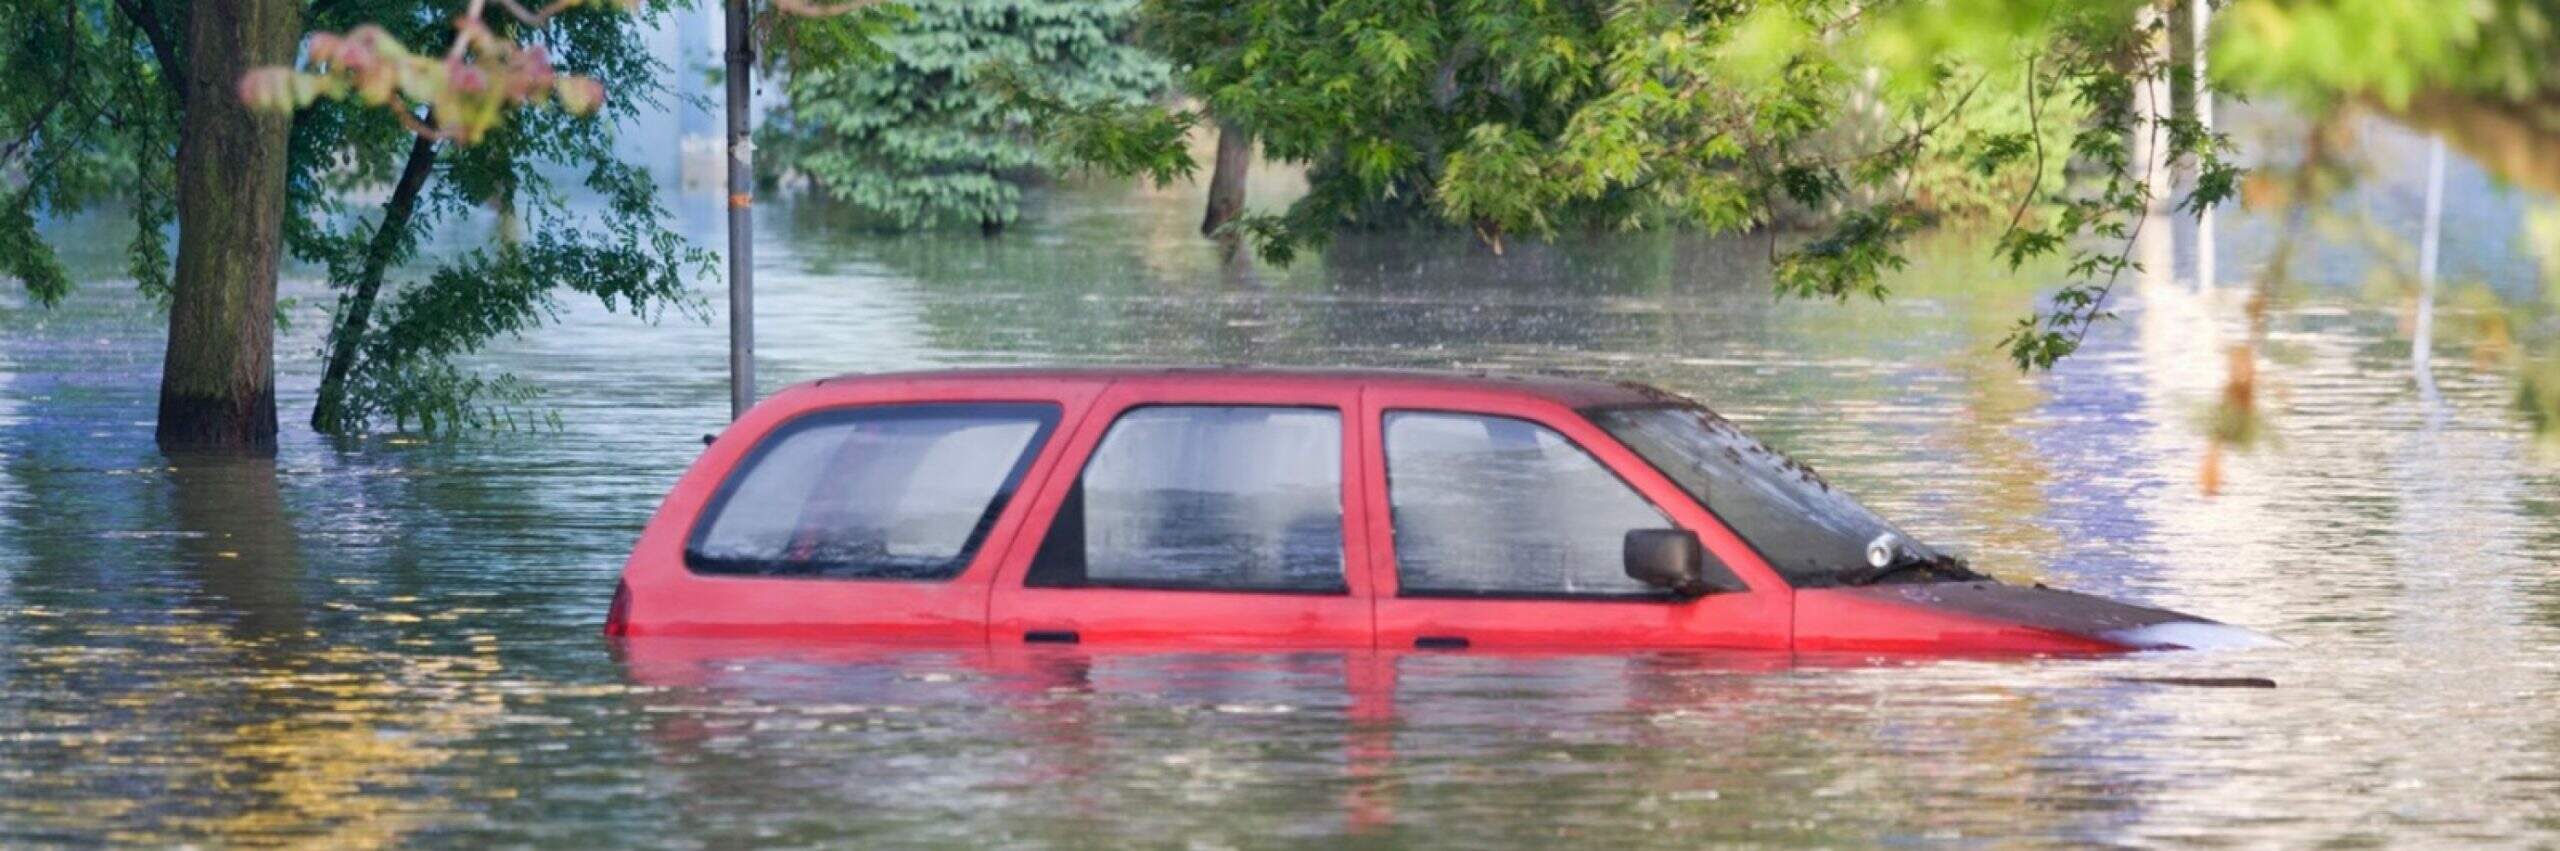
[2202,19]
[741,57]
[2430,244]
[2155,244]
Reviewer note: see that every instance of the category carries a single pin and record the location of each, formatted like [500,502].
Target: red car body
[992,598]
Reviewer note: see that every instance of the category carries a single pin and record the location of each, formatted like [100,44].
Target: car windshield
[1811,532]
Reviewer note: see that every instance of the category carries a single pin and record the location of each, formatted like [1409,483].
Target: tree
[98,101]
[1206,41]
[239,196]
[482,79]
[919,138]
[218,382]
[68,72]
[1226,178]
[405,119]
[1522,120]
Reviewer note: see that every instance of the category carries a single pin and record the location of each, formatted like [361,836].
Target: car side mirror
[1673,559]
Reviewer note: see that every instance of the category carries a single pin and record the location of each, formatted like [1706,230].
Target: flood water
[395,640]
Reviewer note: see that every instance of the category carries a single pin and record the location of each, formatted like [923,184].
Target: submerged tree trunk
[1226,180]
[217,384]
[329,413]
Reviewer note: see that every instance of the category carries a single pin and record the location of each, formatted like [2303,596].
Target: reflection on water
[394,640]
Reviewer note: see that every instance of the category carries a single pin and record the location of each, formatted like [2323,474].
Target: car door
[1499,521]
[1196,514]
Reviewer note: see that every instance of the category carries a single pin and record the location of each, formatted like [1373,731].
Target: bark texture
[1226,179]
[217,385]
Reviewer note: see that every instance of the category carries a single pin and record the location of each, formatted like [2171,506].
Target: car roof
[1571,392]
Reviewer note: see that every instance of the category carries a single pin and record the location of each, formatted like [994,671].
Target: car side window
[886,492]
[1194,497]
[1500,507]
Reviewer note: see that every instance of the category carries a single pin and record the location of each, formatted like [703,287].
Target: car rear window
[1195,497]
[885,492]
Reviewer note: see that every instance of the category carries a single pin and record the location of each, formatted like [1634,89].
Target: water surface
[394,640]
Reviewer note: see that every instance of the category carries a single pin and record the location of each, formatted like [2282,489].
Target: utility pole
[741,56]
[2155,244]
[2201,20]
[2430,247]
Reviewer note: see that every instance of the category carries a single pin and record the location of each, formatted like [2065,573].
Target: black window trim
[1342,590]
[1343,422]
[1050,412]
[1386,474]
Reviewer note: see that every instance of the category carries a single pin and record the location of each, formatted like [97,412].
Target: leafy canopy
[932,132]
[1865,121]
[87,116]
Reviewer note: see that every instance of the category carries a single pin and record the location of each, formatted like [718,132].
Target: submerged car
[1306,508]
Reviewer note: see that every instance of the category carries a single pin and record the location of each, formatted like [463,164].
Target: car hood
[2131,626]
[1989,615]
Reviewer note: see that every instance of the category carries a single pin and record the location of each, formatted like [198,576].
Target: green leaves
[1498,183]
[84,118]
[1851,259]
[408,368]
[1864,122]
[24,256]
[796,43]
[2383,51]
[1764,43]
[1391,53]
[1127,140]
[407,373]
[970,99]
[1275,239]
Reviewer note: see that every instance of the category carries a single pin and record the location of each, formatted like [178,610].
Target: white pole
[2201,13]
[2422,341]
[2150,132]
[2155,244]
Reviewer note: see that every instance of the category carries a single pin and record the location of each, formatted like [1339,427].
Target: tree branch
[29,135]
[2151,165]
[330,413]
[147,19]
[2035,135]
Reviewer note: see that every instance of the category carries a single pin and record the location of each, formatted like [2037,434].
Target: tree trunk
[218,384]
[1226,180]
[329,413]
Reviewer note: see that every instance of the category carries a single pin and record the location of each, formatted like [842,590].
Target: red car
[1302,508]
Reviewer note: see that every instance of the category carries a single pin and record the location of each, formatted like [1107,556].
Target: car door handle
[1439,642]
[1051,636]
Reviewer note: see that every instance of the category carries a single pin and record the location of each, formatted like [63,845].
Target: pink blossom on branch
[465,93]
[468,91]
